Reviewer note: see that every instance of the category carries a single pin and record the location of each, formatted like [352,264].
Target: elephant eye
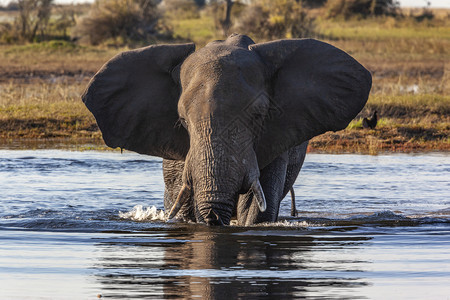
[183,122]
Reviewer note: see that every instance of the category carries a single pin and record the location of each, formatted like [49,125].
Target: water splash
[140,213]
[287,224]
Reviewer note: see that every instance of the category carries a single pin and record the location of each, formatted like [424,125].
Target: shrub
[8,33]
[119,21]
[181,9]
[267,20]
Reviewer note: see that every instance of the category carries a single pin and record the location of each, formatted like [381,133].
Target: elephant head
[227,110]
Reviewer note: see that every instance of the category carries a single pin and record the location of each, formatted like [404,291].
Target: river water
[80,225]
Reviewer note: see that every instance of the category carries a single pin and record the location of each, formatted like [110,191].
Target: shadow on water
[230,263]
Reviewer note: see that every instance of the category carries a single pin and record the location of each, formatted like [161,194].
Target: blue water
[74,225]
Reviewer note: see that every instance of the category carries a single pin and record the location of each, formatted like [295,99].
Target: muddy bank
[392,135]
[347,141]
[48,128]
[400,139]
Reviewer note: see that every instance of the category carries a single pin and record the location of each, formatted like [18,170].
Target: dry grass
[51,59]
[44,110]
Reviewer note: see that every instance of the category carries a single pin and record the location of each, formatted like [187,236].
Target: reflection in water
[195,261]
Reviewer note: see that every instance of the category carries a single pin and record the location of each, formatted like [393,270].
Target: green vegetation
[199,30]
[41,82]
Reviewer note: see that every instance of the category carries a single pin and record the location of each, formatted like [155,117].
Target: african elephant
[231,120]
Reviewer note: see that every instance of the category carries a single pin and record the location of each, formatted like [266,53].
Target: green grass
[199,30]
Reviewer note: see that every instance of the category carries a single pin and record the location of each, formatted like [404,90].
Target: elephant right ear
[315,88]
[134,99]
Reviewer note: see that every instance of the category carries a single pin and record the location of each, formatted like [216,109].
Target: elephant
[231,120]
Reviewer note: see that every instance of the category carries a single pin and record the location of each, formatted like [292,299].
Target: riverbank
[401,128]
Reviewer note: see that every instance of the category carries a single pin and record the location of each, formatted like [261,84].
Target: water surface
[80,224]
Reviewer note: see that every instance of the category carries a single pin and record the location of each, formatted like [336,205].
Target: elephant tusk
[259,195]
[183,196]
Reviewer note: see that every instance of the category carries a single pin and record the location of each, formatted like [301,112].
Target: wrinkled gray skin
[226,117]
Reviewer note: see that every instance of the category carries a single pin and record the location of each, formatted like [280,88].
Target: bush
[364,8]
[181,9]
[267,20]
[119,21]
[8,33]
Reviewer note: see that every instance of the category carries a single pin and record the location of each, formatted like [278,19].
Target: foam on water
[289,224]
[141,214]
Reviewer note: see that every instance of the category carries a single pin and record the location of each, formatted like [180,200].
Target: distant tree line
[130,21]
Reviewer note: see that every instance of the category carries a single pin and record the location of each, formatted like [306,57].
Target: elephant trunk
[214,208]
[218,172]
[216,191]
[217,182]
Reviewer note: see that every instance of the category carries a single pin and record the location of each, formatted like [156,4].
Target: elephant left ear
[134,99]
[316,87]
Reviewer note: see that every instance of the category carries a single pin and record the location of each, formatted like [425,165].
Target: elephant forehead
[228,92]
[217,60]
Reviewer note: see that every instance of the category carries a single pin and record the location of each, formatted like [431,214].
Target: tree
[222,14]
[226,23]
[34,16]
[65,20]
